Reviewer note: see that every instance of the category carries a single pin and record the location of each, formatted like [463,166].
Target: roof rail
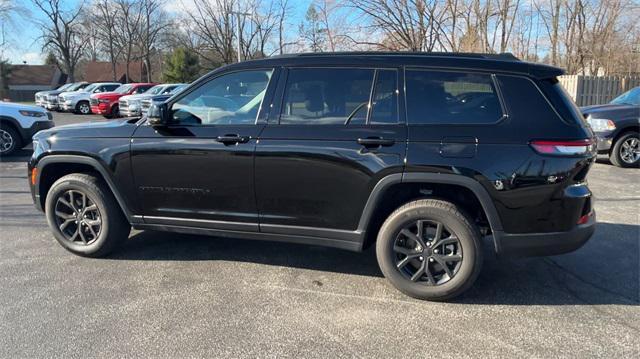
[502,56]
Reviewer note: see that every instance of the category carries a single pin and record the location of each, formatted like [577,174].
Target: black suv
[423,155]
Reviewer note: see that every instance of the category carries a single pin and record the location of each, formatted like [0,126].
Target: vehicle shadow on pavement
[604,271]
[22,155]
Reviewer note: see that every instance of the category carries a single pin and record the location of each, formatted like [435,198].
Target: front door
[198,170]
[335,134]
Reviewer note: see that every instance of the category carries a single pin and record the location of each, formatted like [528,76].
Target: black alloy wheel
[78,217]
[427,252]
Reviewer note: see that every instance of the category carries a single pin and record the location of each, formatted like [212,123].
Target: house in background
[95,71]
[24,81]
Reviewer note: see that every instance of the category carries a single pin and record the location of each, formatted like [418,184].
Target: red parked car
[106,103]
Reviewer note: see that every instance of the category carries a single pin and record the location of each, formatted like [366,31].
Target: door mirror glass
[156,115]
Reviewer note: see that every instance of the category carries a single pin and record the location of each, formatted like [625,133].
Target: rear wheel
[83,108]
[9,140]
[84,216]
[428,249]
[626,151]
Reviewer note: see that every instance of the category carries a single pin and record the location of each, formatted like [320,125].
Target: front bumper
[130,112]
[51,105]
[101,108]
[545,244]
[68,106]
[605,141]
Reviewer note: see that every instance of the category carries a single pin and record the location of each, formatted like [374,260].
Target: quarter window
[230,99]
[439,97]
[328,96]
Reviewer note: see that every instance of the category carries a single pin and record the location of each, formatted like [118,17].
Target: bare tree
[154,21]
[105,13]
[127,30]
[61,33]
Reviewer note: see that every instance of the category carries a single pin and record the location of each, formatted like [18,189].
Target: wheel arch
[378,199]
[632,127]
[53,167]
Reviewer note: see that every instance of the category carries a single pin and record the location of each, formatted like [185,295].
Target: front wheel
[83,108]
[84,216]
[9,140]
[429,249]
[626,151]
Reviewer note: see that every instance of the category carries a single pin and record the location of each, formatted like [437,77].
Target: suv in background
[18,123]
[106,104]
[146,103]
[423,155]
[130,105]
[78,101]
[40,96]
[617,126]
[50,101]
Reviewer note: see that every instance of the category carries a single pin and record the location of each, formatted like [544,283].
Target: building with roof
[24,81]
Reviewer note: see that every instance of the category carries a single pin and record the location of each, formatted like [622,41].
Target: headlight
[32,113]
[601,125]
[103,100]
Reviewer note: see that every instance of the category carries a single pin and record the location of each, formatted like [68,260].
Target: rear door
[333,135]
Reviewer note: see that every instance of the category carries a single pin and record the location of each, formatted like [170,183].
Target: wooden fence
[596,90]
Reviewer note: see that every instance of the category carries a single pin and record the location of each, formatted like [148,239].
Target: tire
[115,111]
[83,108]
[101,239]
[438,284]
[10,140]
[620,155]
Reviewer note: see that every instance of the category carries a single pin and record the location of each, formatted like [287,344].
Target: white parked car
[18,123]
[78,101]
[131,105]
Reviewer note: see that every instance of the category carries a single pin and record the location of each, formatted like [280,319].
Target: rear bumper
[545,244]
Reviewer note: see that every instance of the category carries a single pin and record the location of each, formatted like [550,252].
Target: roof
[40,75]
[95,71]
[502,63]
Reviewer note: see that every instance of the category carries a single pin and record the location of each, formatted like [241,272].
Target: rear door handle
[375,142]
[232,139]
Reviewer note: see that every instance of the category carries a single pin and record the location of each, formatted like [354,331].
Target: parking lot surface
[171,295]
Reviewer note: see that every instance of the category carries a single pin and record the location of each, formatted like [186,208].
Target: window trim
[277,116]
[182,94]
[494,82]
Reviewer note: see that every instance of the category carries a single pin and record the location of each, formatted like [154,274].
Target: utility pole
[239,29]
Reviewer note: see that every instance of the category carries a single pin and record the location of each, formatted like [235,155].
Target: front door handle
[375,142]
[232,139]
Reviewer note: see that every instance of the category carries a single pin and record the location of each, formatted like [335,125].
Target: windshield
[123,89]
[90,88]
[631,97]
[64,87]
[154,90]
[178,89]
[77,86]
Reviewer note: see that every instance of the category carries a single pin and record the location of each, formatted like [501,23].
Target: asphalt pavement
[172,295]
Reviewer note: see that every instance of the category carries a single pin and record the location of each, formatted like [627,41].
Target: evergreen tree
[183,65]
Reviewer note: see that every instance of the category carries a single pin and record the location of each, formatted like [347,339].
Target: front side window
[234,98]
[439,97]
[326,96]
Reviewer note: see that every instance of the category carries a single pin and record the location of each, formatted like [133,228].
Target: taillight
[584,219]
[563,148]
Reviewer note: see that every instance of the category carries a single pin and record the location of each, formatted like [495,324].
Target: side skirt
[275,237]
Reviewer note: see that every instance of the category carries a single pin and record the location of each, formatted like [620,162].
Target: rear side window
[442,97]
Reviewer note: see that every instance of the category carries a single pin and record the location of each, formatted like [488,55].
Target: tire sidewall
[469,241]
[97,198]
[79,108]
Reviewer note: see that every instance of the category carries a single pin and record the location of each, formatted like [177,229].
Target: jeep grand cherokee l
[422,155]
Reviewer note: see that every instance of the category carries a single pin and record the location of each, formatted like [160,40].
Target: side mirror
[158,115]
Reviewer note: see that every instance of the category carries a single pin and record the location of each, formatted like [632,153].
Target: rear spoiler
[545,72]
